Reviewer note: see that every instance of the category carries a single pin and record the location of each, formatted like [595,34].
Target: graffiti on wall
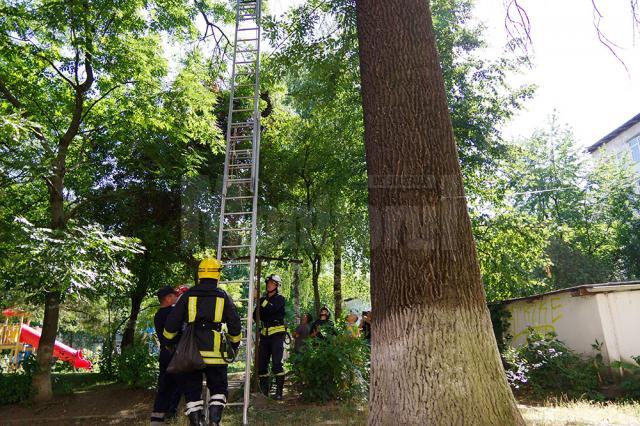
[541,315]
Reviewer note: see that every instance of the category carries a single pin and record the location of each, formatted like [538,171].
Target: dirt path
[105,405]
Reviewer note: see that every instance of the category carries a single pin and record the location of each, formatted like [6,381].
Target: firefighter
[167,398]
[272,337]
[208,308]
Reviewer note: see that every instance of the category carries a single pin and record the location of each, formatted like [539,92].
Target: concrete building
[609,313]
[623,142]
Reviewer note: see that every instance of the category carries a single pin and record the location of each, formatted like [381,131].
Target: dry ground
[115,405]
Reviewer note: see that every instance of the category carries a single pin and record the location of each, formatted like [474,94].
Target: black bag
[187,357]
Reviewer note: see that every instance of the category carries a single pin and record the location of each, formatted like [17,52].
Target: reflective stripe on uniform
[218,399]
[264,375]
[219,309]
[280,374]
[193,308]
[234,339]
[214,361]
[268,331]
[265,303]
[168,334]
[193,406]
[217,342]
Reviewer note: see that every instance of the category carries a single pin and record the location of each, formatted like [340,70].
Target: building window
[634,147]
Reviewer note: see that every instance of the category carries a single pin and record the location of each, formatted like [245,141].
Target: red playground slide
[31,336]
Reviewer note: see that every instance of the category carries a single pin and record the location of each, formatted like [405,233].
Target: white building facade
[622,144]
[608,313]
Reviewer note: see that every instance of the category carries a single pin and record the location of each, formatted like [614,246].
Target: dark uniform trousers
[191,384]
[271,347]
[168,395]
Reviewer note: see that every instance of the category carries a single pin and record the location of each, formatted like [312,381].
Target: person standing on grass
[272,335]
[167,396]
[302,332]
[207,308]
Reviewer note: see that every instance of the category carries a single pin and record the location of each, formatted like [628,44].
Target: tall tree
[64,63]
[434,357]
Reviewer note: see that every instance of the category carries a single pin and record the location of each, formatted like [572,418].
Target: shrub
[136,367]
[16,386]
[631,379]
[546,366]
[335,367]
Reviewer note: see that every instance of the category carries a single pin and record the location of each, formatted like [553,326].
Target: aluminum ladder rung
[237,213]
[236,229]
[242,110]
[247,51]
[241,197]
[236,246]
[248,29]
[238,263]
[233,282]
[246,40]
[243,97]
[239,181]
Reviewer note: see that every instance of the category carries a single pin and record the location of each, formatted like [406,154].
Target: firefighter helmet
[209,268]
[273,277]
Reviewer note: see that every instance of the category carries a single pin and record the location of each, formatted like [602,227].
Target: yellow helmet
[209,268]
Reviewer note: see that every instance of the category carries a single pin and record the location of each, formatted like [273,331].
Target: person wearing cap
[167,397]
[208,309]
[272,337]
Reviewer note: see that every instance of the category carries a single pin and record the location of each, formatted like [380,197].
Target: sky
[575,74]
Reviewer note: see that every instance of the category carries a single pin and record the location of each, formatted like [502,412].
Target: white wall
[612,318]
[618,145]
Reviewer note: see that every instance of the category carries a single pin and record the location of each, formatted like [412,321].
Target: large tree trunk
[316,262]
[296,292]
[42,379]
[337,277]
[129,334]
[434,358]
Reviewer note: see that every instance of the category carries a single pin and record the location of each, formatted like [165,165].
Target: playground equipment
[21,339]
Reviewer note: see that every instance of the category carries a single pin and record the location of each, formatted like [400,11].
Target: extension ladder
[239,201]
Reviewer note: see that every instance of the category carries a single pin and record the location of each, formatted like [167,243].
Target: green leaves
[78,260]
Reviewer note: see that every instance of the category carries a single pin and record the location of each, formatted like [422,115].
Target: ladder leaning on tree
[239,201]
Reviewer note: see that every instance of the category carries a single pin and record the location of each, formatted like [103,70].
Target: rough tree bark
[337,277]
[316,263]
[296,292]
[128,336]
[434,357]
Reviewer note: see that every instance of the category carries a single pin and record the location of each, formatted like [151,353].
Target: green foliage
[500,319]
[335,367]
[546,366]
[631,377]
[16,386]
[76,260]
[136,367]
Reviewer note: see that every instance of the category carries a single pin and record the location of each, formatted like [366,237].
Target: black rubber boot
[279,387]
[264,385]
[215,414]
[195,418]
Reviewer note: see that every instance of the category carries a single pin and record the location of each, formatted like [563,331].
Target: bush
[335,367]
[631,379]
[546,366]
[136,367]
[16,387]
